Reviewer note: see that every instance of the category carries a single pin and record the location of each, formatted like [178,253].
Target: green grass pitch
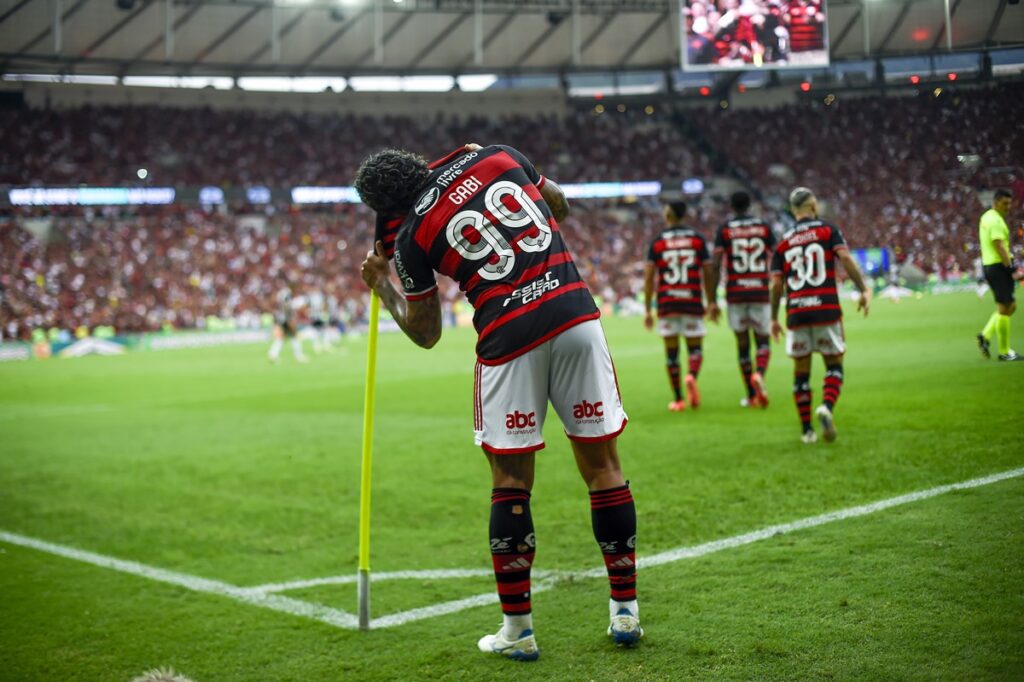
[216,464]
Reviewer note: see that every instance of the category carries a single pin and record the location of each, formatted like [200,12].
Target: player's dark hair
[740,202]
[389,180]
[678,208]
[1002,193]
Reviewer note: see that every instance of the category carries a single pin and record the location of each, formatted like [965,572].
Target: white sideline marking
[261,595]
[680,553]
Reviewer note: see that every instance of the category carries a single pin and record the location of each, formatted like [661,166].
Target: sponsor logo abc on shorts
[520,422]
[588,412]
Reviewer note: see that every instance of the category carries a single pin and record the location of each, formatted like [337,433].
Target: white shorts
[573,370]
[825,339]
[756,316]
[690,326]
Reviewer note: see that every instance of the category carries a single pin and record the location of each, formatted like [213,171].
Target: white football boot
[522,649]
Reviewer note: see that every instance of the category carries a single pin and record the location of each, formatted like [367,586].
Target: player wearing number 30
[680,261]
[486,218]
[804,267]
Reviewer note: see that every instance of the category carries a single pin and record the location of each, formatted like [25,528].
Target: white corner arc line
[273,602]
[429,574]
[260,596]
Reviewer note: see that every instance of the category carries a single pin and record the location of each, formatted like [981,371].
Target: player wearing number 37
[803,268]
[486,218]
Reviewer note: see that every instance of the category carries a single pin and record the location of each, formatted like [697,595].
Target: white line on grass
[430,574]
[196,584]
[261,595]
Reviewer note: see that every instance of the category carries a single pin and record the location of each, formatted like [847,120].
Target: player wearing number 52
[803,268]
[679,260]
[744,244]
[486,218]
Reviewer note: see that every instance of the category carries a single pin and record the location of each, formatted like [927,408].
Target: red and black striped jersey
[806,259]
[746,243]
[679,254]
[480,220]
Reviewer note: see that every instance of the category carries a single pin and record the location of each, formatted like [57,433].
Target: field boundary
[265,596]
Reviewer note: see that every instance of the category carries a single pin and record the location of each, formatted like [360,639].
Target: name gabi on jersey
[533,290]
[465,190]
[450,174]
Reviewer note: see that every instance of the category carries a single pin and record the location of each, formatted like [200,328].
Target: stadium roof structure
[442,37]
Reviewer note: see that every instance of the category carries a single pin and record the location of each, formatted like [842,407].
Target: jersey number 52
[748,255]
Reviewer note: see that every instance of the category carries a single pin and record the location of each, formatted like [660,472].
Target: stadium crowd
[887,170]
[106,146]
[901,172]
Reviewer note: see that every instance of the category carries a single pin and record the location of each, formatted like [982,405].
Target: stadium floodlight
[476,82]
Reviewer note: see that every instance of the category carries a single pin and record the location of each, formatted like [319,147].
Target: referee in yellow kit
[995,259]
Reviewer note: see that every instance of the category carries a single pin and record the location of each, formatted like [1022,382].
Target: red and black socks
[696,359]
[746,368]
[764,353]
[512,549]
[833,385]
[613,516]
[802,397]
[672,366]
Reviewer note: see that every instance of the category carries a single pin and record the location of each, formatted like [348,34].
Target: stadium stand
[144,269]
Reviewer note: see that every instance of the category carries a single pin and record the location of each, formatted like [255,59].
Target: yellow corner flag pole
[364,479]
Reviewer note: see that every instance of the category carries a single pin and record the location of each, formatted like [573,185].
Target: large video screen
[754,34]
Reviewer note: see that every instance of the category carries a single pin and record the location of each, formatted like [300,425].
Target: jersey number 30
[492,242]
[806,266]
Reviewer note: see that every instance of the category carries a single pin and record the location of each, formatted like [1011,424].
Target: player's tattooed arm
[854,273]
[555,199]
[420,319]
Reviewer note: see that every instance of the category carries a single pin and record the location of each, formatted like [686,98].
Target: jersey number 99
[492,244]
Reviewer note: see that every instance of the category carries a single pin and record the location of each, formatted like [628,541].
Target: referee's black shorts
[1000,278]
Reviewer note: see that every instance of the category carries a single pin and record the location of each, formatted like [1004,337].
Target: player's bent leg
[613,517]
[513,545]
